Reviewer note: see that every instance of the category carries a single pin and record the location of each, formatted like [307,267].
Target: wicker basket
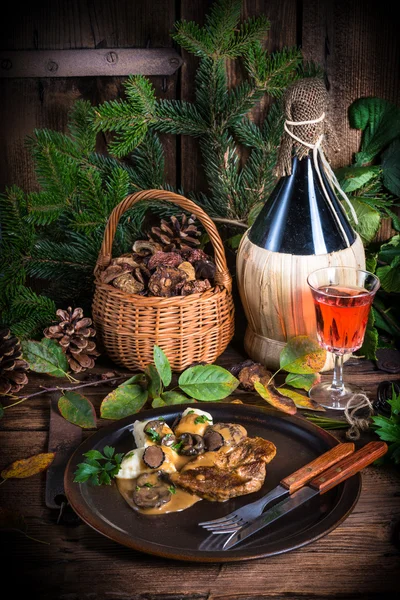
[190,328]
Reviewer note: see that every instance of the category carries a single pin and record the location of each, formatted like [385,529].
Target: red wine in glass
[342,316]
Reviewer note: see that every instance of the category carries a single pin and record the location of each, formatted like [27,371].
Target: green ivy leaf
[302,401]
[391,168]
[162,365]
[174,398]
[368,219]
[123,401]
[390,276]
[46,356]
[275,398]
[302,355]
[207,382]
[302,381]
[353,178]
[155,385]
[77,409]
[391,250]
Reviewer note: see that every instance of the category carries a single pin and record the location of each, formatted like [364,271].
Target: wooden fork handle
[348,466]
[297,480]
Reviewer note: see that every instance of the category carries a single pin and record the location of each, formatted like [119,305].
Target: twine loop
[357,403]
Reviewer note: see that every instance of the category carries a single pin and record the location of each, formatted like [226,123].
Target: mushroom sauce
[144,478]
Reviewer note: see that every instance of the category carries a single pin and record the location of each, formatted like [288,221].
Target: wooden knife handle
[348,466]
[297,480]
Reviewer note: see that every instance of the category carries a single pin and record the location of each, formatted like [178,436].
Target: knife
[286,486]
[319,485]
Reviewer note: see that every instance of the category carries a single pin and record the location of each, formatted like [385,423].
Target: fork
[244,515]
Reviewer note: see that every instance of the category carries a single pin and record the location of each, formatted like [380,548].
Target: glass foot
[329,397]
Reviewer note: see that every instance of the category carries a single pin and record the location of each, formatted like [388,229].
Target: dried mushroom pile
[167,264]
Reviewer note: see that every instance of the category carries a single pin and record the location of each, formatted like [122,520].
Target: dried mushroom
[188,268]
[128,283]
[195,287]
[146,247]
[164,259]
[252,373]
[205,269]
[165,281]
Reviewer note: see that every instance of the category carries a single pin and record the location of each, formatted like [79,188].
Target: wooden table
[359,559]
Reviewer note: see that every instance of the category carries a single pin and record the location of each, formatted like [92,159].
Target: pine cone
[176,235]
[13,368]
[73,333]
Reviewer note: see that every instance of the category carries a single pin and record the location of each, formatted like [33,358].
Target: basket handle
[222,275]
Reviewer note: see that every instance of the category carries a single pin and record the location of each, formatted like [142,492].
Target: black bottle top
[297,218]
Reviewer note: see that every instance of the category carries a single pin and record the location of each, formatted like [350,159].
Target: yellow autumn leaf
[302,401]
[26,467]
[275,398]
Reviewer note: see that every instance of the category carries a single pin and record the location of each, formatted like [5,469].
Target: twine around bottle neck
[330,175]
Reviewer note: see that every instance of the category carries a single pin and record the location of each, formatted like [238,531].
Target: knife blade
[321,484]
[288,485]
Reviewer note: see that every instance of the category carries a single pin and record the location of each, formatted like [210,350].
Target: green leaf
[353,178]
[302,401]
[371,262]
[174,398]
[46,356]
[368,219]
[391,250]
[155,385]
[93,455]
[390,276]
[254,212]
[395,402]
[162,365]
[108,451]
[234,241]
[207,382]
[302,381]
[158,403]
[275,398]
[123,401]
[139,378]
[391,168]
[370,343]
[77,409]
[302,355]
[380,122]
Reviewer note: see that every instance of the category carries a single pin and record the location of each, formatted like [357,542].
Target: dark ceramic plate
[177,535]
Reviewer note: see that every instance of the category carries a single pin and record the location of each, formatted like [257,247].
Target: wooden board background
[356,41]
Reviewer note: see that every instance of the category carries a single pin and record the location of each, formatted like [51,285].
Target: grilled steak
[223,474]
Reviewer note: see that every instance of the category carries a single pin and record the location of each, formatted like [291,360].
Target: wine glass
[342,299]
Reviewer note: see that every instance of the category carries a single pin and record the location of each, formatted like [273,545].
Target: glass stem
[337,383]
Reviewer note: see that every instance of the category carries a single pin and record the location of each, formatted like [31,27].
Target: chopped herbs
[172,489]
[201,419]
[148,485]
[190,412]
[153,435]
[98,468]
[137,488]
[176,447]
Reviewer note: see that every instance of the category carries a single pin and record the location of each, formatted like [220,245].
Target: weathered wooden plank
[27,104]
[355,42]
[89,63]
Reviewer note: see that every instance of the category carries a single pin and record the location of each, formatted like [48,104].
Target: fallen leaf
[302,355]
[123,401]
[303,381]
[302,401]
[77,409]
[277,400]
[46,356]
[26,467]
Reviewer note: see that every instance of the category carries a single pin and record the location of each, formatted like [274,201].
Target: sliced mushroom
[213,440]
[157,429]
[233,433]
[151,497]
[192,444]
[169,439]
[148,479]
[153,457]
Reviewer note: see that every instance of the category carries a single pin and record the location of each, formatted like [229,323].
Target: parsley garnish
[149,485]
[99,468]
[190,412]
[172,489]
[153,435]
[176,447]
[201,419]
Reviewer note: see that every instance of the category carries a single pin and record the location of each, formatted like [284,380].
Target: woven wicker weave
[190,328]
